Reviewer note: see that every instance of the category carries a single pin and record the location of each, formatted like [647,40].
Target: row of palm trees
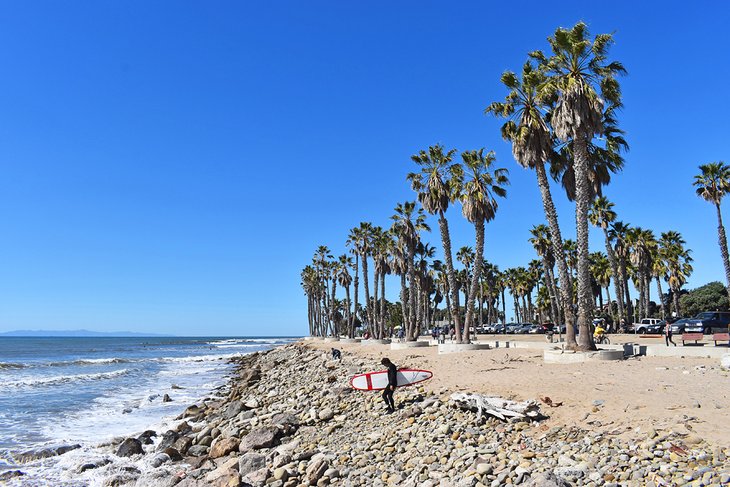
[560,116]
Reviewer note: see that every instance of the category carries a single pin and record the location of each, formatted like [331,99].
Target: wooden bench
[688,337]
[721,337]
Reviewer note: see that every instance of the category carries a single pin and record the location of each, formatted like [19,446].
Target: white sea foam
[61,379]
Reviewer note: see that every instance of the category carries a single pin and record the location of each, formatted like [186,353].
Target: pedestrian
[392,384]
[668,332]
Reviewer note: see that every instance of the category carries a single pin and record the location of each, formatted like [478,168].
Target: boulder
[182,444]
[129,447]
[10,474]
[257,478]
[222,447]
[233,409]
[197,450]
[146,437]
[166,398]
[316,469]
[222,477]
[168,440]
[250,462]
[258,438]
[32,455]
[173,454]
[159,459]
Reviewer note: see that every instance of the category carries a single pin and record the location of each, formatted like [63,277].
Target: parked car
[513,327]
[709,322]
[679,325]
[524,328]
[656,329]
[536,329]
[644,325]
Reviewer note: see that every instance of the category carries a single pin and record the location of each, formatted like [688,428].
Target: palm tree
[344,264]
[712,184]
[618,235]
[581,81]
[479,185]
[407,224]
[363,245]
[677,259]
[642,243]
[435,192]
[532,144]
[601,272]
[540,240]
[602,215]
[465,255]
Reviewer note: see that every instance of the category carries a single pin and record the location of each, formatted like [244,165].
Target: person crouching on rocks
[392,384]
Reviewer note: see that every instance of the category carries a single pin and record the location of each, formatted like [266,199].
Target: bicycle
[602,340]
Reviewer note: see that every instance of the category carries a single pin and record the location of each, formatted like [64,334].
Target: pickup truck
[647,325]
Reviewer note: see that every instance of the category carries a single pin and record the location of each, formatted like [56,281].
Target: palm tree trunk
[332,308]
[661,298]
[451,276]
[625,283]
[566,284]
[504,312]
[614,268]
[722,240]
[582,206]
[608,296]
[403,297]
[366,285]
[675,298]
[479,258]
[350,331]
[411,330]
[356,284]
[382,305]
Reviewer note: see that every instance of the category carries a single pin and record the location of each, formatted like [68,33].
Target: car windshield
[704,316]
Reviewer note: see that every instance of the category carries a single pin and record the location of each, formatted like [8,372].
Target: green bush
[710,297]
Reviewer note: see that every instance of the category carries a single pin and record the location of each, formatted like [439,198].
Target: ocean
[73,390]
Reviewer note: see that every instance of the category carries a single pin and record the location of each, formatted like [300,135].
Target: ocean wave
[12,365]
[257,341]
[200,358]
[62,379]
[64,363]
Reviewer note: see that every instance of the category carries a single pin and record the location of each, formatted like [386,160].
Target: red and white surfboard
[375,381]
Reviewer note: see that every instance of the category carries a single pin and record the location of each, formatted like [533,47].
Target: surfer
[392,384]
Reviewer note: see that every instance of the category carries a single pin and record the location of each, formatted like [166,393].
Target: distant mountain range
[77,333]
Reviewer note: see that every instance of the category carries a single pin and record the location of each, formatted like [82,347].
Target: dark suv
[709,322]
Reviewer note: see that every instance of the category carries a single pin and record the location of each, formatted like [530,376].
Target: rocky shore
[290,418]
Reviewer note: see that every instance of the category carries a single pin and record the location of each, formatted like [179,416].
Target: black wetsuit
[392,384]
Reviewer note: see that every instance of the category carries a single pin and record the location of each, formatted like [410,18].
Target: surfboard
[375,381]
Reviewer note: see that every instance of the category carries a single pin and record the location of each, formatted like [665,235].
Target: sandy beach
[635,395]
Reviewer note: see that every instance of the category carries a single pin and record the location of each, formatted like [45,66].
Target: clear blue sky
[172,166]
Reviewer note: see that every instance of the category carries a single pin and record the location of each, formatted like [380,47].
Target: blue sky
[171,166]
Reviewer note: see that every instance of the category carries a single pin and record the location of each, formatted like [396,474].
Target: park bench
[721,337]
[688,337]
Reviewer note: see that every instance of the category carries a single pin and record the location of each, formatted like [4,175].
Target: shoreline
[288,417]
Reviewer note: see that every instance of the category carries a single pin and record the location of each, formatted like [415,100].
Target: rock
[129,447]
[175,386]
[159,459]
[263,437]
[257,478]
[544,479]
[197,450]
[316,469]
[146,437]
[326,414]
[252,404]
[223,477]
[32,455]
[284,419]
[92,465]
[725,361]
[166,398]
[281,474]
[10,474]
[182,444]
[222,447]
[233,409]
[168,440]
[250,462]
[174,455]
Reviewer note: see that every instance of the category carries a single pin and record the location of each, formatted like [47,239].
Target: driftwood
[497,406]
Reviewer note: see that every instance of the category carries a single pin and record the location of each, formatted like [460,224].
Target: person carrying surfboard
[392,384]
